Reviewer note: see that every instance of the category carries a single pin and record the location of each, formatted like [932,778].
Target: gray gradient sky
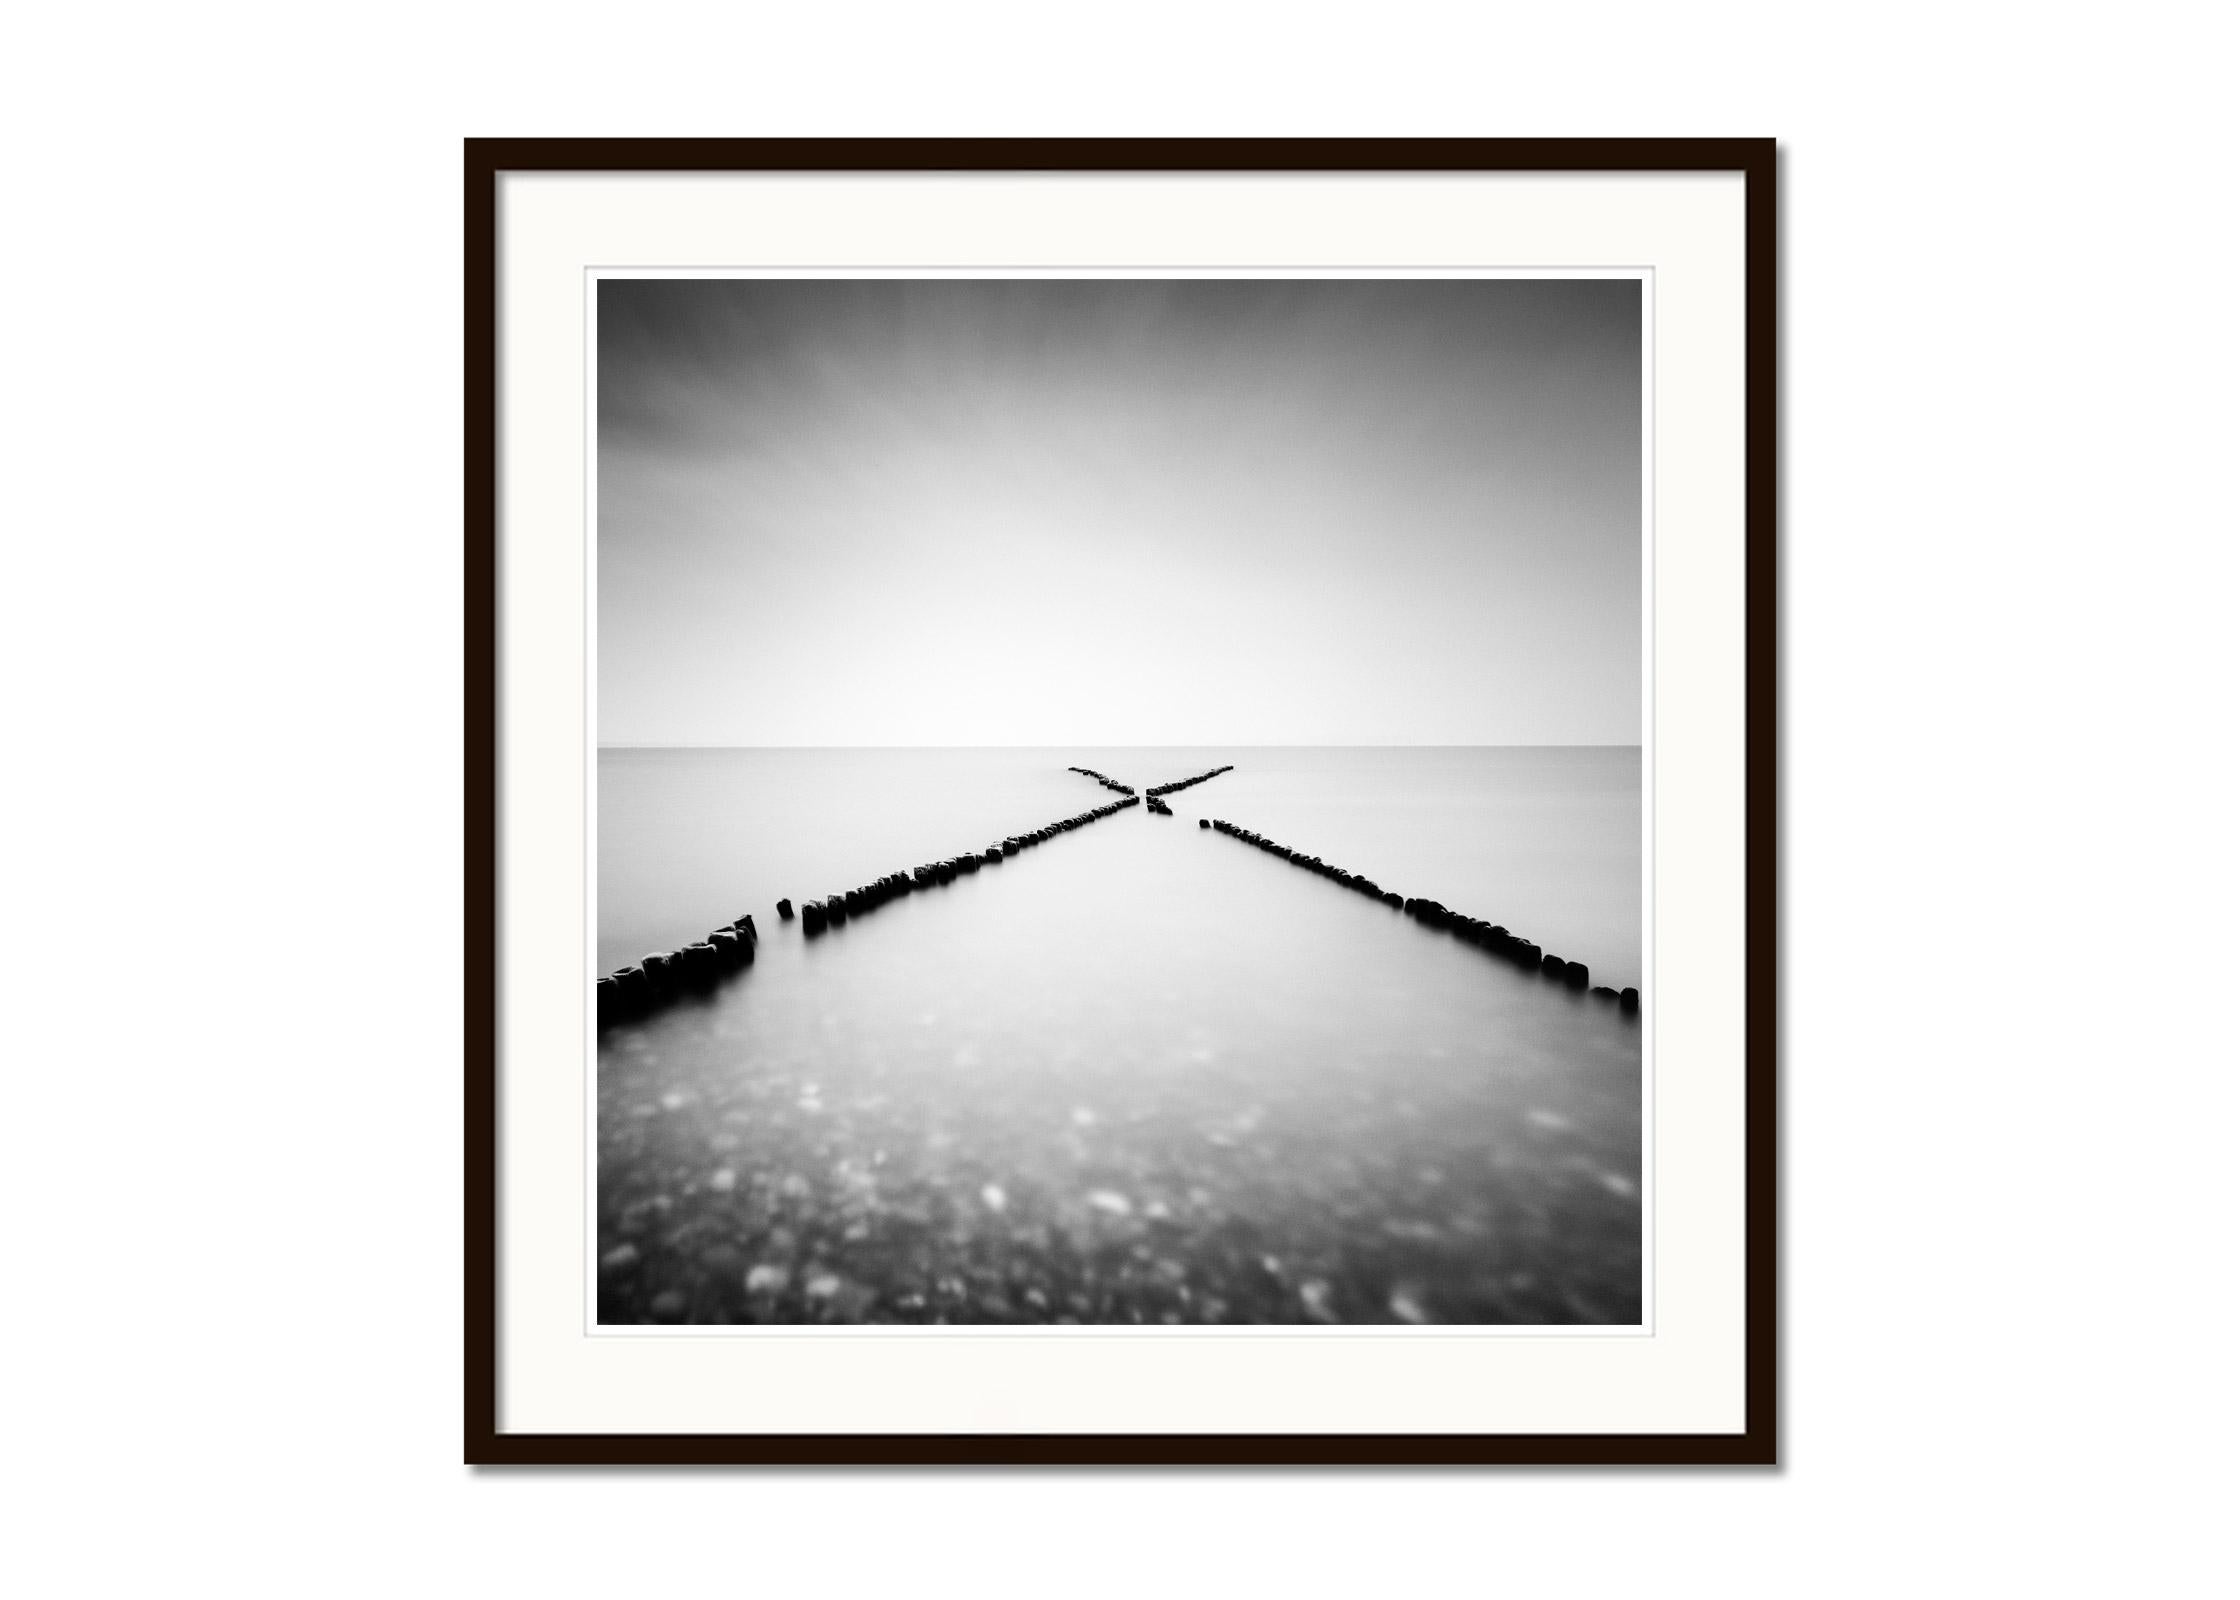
[1119,512]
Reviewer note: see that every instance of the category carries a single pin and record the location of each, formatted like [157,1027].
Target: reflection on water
[1138,1075]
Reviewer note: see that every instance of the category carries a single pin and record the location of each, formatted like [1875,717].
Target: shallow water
[1138,1073]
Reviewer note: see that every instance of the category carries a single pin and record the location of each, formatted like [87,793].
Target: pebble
[767,1278]
[992,1197]
[1407,1307]
[723,1180]
[1420,1232]
[668,1306]
[823,1286]
[1314,1294]
[621,1256]
[1106,1201]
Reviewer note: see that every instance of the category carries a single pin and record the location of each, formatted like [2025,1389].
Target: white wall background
[230,626]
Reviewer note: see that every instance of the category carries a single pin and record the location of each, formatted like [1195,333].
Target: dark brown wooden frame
[487,163]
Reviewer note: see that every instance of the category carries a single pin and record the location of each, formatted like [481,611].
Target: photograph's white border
[1686,1377]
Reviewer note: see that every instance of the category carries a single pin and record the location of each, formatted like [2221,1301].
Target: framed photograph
[1120,802]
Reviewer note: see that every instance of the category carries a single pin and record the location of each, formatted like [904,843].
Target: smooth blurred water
[1141,1072]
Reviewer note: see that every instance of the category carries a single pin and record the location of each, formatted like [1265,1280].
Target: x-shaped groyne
[635,991]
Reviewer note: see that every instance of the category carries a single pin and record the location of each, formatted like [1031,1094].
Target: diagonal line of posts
[1489,937]
[664,976]
[668,975]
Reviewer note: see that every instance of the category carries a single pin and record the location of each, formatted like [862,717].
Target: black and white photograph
[1119,801]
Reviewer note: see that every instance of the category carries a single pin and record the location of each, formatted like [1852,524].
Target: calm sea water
[1140,1073]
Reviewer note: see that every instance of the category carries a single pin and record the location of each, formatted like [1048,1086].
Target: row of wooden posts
[664,976]
[1490,937]
[667,975]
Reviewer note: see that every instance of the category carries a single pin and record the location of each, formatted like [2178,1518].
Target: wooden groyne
[1183,783]
[1114,784]
[1489,937]
[835,910]
[668,975]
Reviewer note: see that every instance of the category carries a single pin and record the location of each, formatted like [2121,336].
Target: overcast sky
[1119,512]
